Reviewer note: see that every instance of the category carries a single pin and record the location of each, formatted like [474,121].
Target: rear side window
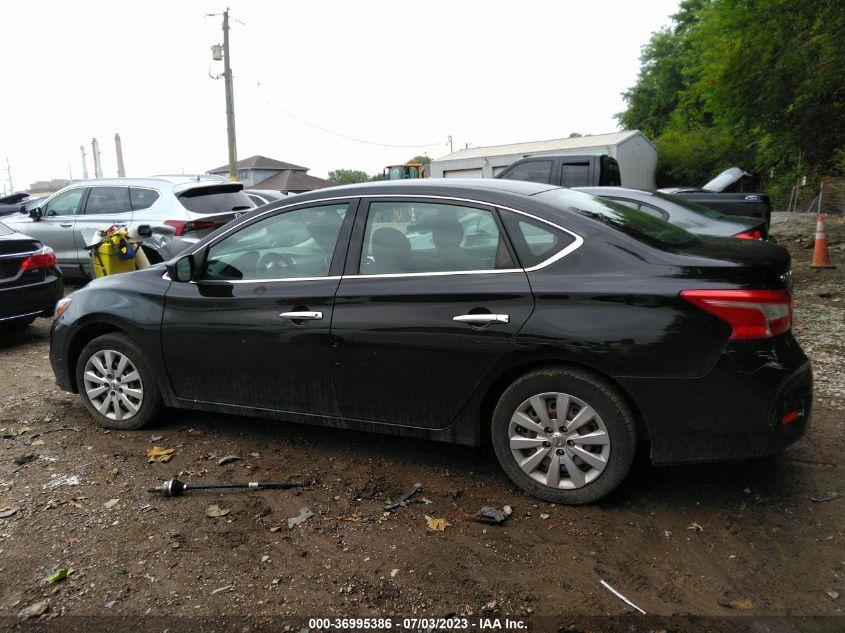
[142,198]
[610,176]
[533,241]
[531,171]
[107,200]
[575,174]
[217,199]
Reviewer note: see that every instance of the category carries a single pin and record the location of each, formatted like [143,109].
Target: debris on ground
[108,505]
[20,460]
[224,588]
[438,525]
[195,432]
[228,459]
[304,515]
[394,573]
[216,511]
[156,438]
[63,480]
[744,604]
[695,527]
[487,515]
[6,512]
[827,496]
[621,597]
[403,502]
[34,610]
[833,594]
[159,454]
[59,574]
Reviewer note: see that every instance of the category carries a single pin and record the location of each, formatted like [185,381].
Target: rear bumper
[33,299]
[756,401]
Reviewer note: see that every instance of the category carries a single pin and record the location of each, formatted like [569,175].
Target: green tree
[423,160]
[348,176]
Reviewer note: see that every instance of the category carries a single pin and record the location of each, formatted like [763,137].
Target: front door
[433,299]
[55,229]
[253,330]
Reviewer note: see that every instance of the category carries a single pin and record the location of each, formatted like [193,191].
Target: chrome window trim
[575,245]
[217,282]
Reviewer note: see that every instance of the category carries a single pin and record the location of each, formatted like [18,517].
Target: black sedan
[30,282]
[684,213]
[560,327]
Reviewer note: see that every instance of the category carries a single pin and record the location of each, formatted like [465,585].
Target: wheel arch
[84,336]
[506,377]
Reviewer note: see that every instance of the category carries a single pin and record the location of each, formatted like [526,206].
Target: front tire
[117,384]
[572,458]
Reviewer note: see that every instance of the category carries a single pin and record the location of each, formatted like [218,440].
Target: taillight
[42,258]
[183,227]
[750,235]
[751,313]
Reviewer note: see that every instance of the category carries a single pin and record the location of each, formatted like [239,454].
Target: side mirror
[145,230]
[35,214]
[182,268]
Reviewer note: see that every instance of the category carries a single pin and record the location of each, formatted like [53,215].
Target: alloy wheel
[113,385]
[559,440]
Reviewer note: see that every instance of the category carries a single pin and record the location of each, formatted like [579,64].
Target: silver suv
[68,220]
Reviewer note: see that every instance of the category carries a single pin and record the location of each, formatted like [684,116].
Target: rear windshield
[215,199]
[689,204]
[635,223]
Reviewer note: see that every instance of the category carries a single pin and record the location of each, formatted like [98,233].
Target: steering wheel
[275,265]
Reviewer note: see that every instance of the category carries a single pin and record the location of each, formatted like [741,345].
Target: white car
[67,220]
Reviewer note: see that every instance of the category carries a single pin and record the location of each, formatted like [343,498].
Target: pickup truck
[720,194]
[566,170]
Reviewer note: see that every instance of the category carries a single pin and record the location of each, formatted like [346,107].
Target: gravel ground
[712,547]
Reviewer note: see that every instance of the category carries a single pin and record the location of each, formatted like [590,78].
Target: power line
[332,132]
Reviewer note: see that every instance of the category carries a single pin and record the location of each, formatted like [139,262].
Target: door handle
[66,225]
[301,316]
[481,319]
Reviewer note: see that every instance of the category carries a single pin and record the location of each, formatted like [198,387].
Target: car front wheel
[116,383]
[564,435]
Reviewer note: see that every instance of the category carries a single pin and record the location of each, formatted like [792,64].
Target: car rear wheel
[116,383]
[564,435]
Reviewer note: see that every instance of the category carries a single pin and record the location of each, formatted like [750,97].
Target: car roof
[607,191]
[431,186]
[178,183]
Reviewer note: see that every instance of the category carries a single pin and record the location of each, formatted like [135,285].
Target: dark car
[13,203]
[563,329]
[566,170]
[681,212]
[725,194]
[30,281]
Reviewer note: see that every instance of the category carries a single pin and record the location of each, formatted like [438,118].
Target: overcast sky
[485,72]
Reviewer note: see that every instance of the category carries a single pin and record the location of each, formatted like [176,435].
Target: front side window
[66,203]
[107,200]
[298,243]
[422,237]
[532,171]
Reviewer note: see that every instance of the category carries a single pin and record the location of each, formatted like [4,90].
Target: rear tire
[572,459]
[117,384]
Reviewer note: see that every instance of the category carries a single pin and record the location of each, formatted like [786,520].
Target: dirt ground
[737,546]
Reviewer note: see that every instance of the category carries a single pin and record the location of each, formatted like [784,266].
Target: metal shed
[635,153]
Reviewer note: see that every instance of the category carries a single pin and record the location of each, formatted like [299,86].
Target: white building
[636,155]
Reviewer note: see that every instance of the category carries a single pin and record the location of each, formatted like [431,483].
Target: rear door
[253,331]
[429,300]
[105,206]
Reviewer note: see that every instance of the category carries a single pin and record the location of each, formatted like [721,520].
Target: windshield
[689,204]
[637,224]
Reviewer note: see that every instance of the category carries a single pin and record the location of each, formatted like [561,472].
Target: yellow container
[106,260]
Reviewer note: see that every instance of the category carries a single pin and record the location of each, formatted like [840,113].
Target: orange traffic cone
[821,259]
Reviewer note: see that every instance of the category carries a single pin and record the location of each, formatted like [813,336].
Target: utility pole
[84,164]
[450,144]
[9,173]
[230,101]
